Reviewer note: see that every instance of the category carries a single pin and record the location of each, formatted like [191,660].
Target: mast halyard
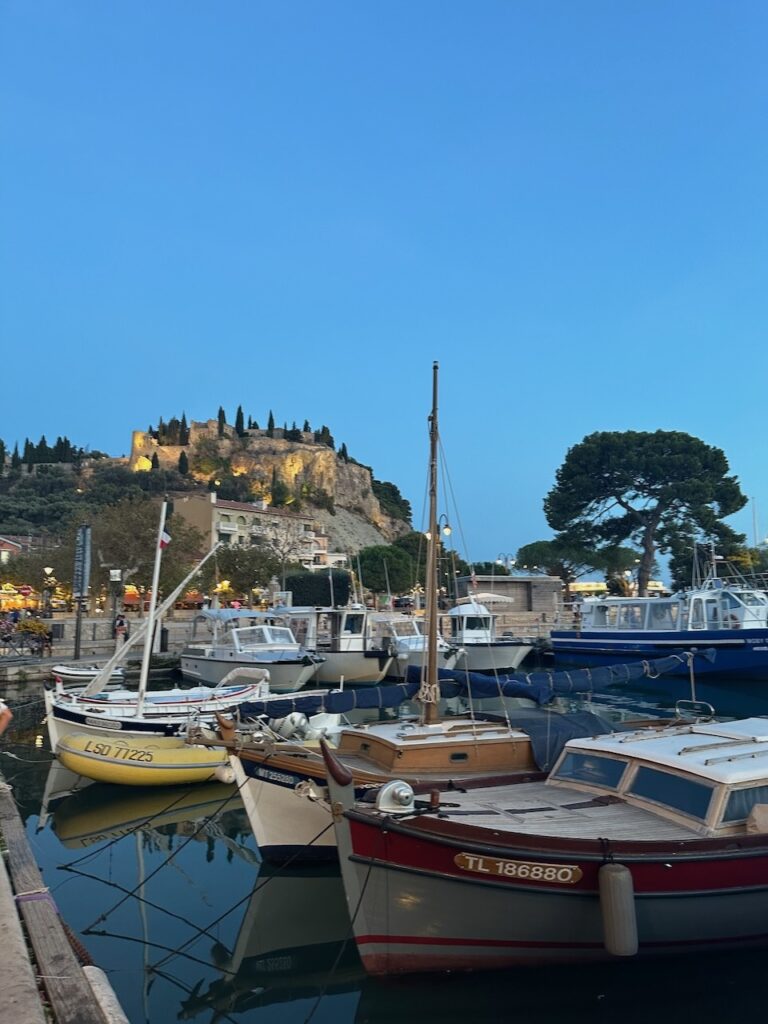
[429,691]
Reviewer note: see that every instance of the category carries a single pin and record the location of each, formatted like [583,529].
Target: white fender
[617,904]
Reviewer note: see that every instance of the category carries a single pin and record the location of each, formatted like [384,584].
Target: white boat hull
[283,819]
[284,676]
[353,667]
[494,657]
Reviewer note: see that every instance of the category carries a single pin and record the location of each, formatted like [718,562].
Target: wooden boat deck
[539,809]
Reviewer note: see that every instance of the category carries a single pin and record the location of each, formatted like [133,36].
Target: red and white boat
[651,842]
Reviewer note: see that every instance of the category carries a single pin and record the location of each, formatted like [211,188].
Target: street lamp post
[49,582]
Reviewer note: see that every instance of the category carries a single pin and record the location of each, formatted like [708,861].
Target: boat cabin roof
[471,608]
[727,753]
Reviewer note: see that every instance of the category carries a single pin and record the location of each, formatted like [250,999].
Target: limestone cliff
[310,473]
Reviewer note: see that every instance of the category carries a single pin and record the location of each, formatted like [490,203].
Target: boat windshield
[664,615]
[676,792]
[578,766]
[631,616]
[751,597]
[404,627]
[253,636]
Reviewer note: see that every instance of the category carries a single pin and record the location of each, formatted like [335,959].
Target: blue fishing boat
[730,617]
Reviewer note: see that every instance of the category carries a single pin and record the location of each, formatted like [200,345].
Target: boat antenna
[429,691]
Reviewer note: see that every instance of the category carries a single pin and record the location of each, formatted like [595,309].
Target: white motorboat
[342,637]
[403,634]
[80,675]
[260,644]
[473,628]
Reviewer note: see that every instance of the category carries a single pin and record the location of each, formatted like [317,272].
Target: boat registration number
[559,874]
[122,753]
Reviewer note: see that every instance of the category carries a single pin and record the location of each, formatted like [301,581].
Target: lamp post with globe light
[49,582]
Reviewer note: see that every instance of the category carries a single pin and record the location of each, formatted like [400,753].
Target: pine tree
[343,453]
[183,464]
[29,453]
[2,455]
[222,421]
[306,428]
[239,422]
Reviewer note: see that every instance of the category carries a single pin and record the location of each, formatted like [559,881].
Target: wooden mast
[429,692]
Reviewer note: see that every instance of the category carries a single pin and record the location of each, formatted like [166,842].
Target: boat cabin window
[279,635]
[752,598]
[741,802]
[664,615]
[477,622]
[599,615]
[679,793]
[577,766]
[697,613]
[631,616]
[353,624]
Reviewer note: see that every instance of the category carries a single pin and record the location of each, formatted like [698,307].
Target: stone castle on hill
[340,490]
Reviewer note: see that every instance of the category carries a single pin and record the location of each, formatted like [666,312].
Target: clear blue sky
[298,206]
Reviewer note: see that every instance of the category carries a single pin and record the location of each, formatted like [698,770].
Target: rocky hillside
[311,475]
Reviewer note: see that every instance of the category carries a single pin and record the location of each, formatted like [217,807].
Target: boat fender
[617,905]
[295,724]
[224,773]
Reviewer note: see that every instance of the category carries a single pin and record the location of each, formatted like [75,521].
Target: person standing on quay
[121,630]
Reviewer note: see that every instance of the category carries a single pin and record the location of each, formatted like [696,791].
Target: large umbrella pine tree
[647,488]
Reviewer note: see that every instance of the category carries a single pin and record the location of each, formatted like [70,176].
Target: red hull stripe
[419,940]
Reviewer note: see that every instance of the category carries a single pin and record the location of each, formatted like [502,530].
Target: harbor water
[165,890]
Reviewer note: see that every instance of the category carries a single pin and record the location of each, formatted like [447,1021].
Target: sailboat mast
[429,692]
[144,676]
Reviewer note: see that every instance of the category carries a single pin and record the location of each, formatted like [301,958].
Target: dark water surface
[166,891]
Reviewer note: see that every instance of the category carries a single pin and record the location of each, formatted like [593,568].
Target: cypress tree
[183,464]
[271,425]
[222,421]
[15,457]
[306,428]
[155,461]
[183,430]
[239,422]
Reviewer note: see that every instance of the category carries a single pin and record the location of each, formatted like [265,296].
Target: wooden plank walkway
[69,994]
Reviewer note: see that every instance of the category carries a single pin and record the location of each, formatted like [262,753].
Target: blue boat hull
[741,653]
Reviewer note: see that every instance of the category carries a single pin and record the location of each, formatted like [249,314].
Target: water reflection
[166,890]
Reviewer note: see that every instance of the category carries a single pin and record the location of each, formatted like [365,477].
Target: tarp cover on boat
[539,687]
[543,686]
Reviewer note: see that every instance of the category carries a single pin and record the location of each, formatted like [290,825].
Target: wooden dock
[42,966]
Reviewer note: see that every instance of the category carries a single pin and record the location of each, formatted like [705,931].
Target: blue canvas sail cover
[544,686]
[539,687]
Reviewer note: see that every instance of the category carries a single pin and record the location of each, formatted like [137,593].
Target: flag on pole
[165,539]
